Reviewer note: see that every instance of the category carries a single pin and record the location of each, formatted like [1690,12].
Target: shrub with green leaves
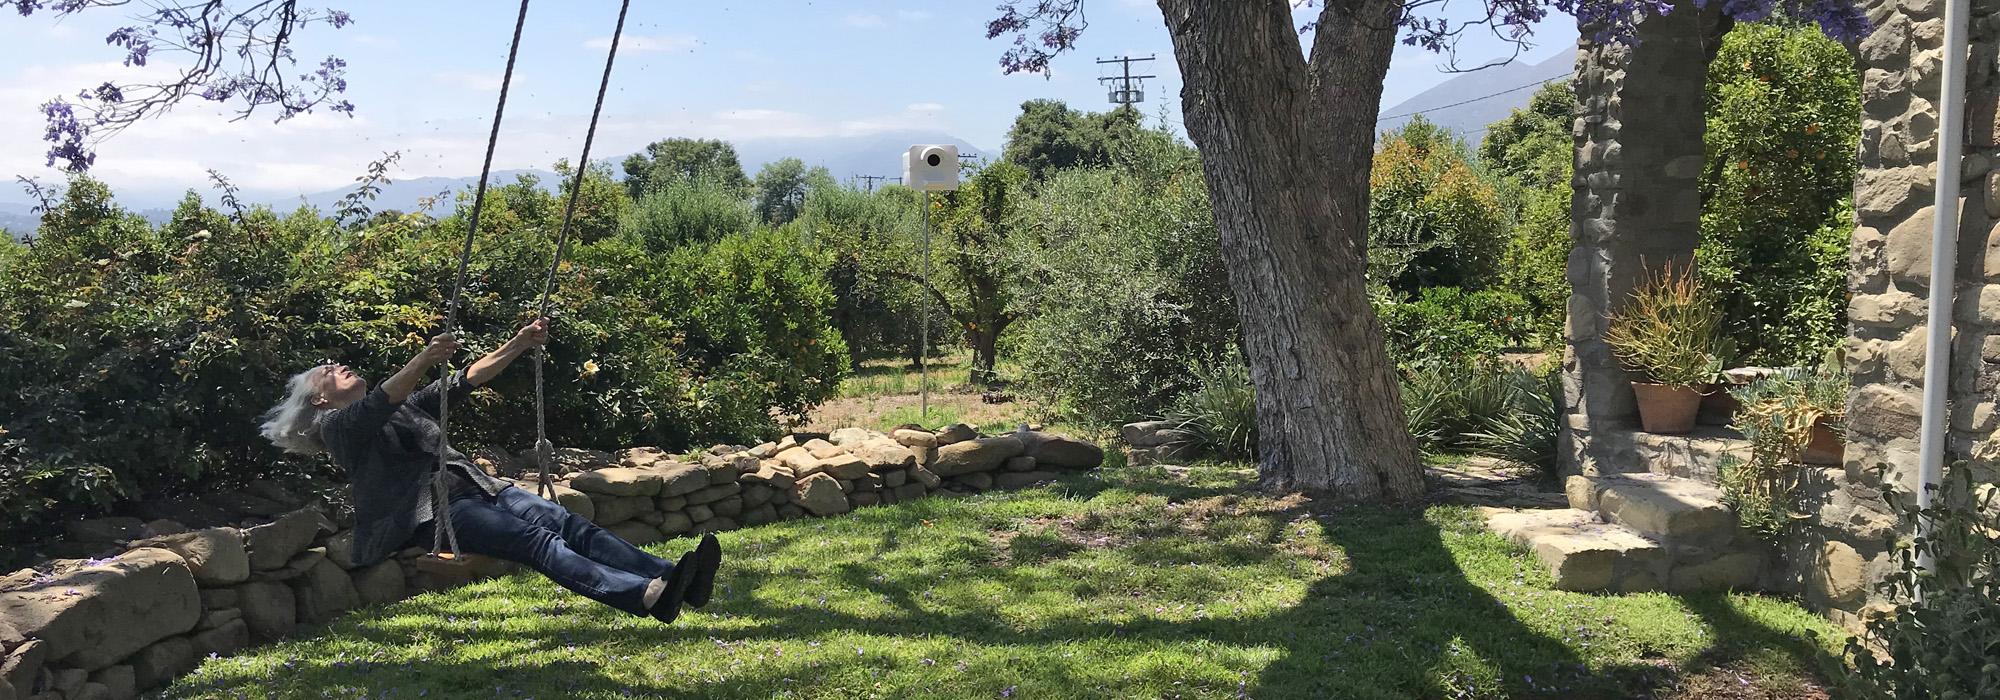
[1433,220]
[1667,332]
[1780,171]
[148,354]
[1128,289]
[1945,642]
[1450,327]
[1778,414]
[1525,430]
[1221,410]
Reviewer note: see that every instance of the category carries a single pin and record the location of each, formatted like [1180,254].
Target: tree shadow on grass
[1402,618]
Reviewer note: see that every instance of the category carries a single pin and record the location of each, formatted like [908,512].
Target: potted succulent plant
[1666,334]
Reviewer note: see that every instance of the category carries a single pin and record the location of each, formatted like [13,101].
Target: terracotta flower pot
[1667,410]
[1825,447]
[1718,407]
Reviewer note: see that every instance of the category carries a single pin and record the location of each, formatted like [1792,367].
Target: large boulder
[325,592]
[636,532]
[163,661]
[911,437]
[1059,452]
[844,466]
[642,456]
[682,479]
[925,477]
[379,584]
[821,495]
[772,474]
[19,667]
[215,556]
[612,510]
[977,455]
[823,449]
[618,481]
[715,493]
[675,523]
[955,433]
[570,499]
[119,682]
[848,437]
[224,640]
[798,460]
[273,545]
[884,455]
[93,616]
[270,608]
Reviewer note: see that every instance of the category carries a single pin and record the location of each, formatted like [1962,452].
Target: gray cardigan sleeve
[427,398]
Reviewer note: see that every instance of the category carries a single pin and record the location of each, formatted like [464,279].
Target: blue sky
[424,76]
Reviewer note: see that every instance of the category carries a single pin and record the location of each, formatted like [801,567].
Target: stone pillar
[1889,285]
[1637,201]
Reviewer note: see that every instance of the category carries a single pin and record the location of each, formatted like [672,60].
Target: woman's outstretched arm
[531,336]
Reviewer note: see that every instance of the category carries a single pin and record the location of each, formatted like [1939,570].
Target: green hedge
[142,357]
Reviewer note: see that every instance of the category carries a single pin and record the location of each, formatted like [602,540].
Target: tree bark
[1287,146]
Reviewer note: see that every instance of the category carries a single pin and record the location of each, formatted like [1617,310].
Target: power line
[1538,83]
[1122,93]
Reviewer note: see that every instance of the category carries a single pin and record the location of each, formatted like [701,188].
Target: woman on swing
[387,438]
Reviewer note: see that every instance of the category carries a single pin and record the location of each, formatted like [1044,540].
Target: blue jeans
[519,526]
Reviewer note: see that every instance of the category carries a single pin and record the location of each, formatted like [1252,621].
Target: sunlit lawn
[1131,583]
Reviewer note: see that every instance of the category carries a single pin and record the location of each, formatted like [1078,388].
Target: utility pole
[1122,92]
[870,180]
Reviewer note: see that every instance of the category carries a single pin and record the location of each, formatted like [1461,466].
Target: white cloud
[864,21]
[913,15]
[642,43]
[926,107]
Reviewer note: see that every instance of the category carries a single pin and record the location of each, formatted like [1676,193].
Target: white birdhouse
[932,168]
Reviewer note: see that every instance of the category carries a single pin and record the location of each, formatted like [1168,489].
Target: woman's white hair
[292,424]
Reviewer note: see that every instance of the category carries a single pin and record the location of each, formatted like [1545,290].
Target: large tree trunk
[1287,147]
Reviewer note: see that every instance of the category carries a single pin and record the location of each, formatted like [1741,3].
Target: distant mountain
[1466,104]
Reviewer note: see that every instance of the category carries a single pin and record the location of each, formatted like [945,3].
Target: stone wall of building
[1845,551]
[148,609]
[1637,200]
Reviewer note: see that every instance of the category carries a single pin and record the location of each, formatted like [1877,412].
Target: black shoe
[707,558]
[668,606]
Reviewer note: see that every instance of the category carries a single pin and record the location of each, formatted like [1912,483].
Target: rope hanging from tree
[544,451]
[445,541]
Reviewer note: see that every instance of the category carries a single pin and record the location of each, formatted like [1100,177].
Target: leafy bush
[148,354]
[1449,327]
[1667,331]
[1781,162]
[1533,151]
[879,316]
[1778,415]
[1432,220]
[1445,406]
[683,211]
[1525,431]
[1128,289]
[1221,410]
[1944,643]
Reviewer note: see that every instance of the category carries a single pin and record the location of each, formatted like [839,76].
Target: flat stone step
[1677,511]
[1581,552]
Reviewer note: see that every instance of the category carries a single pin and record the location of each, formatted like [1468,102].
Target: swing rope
[445,536]
[544,450]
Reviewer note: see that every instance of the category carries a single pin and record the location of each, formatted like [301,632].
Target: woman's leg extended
[583,536]
[488,527]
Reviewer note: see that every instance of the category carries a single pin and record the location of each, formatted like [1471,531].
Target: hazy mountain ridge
[1441,104]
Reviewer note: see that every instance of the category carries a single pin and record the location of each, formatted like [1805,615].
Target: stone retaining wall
[110,627]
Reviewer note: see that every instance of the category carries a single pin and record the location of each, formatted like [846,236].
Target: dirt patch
[870,411]
[1735,683]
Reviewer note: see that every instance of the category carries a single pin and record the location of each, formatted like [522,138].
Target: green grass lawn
[1130,583]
